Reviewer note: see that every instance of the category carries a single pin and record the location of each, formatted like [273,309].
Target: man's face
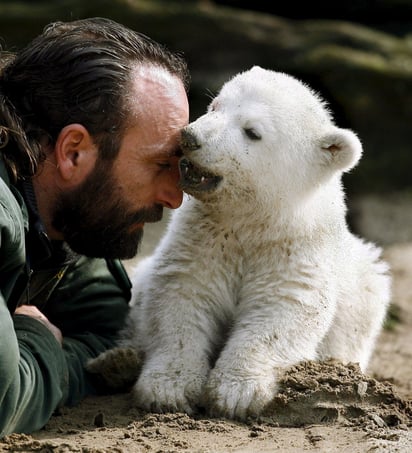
[104,216]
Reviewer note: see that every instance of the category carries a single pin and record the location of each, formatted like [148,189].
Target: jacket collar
[3,172]
[38,244]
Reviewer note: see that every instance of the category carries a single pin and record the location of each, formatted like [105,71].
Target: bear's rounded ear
[256,68]
[341,149]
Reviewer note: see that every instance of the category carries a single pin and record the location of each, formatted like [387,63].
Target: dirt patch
[315,401]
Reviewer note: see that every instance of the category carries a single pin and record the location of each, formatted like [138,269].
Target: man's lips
[135,227]
[145,215]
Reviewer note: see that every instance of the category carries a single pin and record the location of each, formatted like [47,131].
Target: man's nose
[170,195]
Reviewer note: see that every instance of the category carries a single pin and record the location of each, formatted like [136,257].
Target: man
[90,120]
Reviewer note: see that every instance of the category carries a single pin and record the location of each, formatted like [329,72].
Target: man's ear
[75,153]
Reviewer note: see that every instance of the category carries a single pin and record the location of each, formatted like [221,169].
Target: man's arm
[37,372]
[33,367]
[33,372]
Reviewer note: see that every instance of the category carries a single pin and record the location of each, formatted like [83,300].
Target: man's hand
[34,312]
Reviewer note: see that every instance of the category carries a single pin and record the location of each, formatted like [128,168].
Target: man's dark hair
[74,72]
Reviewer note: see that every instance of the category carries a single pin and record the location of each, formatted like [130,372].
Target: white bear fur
[262,272]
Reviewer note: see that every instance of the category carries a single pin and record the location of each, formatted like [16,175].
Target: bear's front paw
[169,390]
[117,369]
[238,397]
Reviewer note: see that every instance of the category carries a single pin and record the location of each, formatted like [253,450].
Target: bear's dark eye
[252,134]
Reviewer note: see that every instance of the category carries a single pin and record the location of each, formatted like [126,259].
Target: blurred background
[356,54]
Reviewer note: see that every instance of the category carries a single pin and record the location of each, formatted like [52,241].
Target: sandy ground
[321,407]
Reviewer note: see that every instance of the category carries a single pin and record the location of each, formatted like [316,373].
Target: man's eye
[164,165]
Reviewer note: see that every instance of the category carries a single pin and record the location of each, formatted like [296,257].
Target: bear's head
[265,134]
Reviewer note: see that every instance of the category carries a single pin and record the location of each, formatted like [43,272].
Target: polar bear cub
[257,270]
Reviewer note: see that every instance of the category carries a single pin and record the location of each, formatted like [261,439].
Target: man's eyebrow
[173,152]
[163,153]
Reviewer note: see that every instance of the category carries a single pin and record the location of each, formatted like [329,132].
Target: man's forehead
[154,90]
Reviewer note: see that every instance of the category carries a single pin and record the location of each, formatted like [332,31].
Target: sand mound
[330,392]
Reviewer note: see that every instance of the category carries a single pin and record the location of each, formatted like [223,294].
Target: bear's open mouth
[194,178]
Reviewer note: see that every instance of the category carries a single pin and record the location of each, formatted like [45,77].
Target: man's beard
[96,223]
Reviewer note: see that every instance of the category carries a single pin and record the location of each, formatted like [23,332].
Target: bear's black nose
[188,140]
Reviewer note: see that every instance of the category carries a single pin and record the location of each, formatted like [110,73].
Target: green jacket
[86,298]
